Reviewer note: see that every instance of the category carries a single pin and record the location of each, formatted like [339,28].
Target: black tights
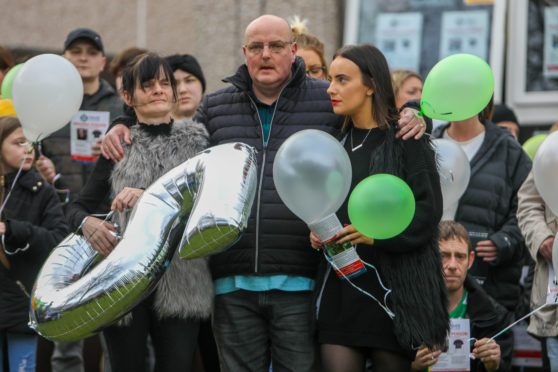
[339,358]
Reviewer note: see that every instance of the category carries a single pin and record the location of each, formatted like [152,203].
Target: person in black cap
[504,117]
[190,84]
[84,49]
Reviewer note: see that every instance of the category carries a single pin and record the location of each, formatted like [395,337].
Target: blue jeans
[22,351]
[254,329]
[552,350]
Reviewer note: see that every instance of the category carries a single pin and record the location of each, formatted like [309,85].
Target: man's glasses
[277,46]
[315,70]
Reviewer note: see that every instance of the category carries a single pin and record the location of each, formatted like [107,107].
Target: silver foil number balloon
[203,204]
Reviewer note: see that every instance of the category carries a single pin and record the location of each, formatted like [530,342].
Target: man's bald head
[269,54]
[267,21]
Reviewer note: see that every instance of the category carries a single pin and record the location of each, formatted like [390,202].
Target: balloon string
[388,291]
[4,204]
[513,324]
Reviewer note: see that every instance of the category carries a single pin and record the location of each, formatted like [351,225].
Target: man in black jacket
[466,299]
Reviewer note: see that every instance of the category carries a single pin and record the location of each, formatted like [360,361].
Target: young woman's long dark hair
[145,67]
[375,74]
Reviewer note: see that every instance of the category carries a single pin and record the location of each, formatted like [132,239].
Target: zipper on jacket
[260,184]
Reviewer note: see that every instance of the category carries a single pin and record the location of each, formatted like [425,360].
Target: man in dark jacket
[84,48]
[466,299]
[264,282]
[488,207]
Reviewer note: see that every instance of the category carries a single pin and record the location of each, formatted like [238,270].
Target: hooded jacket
[57,146]
[488,208]
[276,241]
[33,217]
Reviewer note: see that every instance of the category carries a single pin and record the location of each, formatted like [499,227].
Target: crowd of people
[271,302]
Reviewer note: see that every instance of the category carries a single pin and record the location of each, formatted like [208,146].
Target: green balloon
[532,144]
[8,81]
[381,206]
[457,88]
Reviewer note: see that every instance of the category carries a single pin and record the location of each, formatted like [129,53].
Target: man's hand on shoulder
[111,147]
[411,125]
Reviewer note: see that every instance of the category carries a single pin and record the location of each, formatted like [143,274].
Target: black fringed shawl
[418,296]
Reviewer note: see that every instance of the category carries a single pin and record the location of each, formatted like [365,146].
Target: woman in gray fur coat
[184,295]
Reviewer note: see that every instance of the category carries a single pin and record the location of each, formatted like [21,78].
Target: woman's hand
[350,233]
[410,124]
[316,243]
[2,228]
[424,359]
[127,198]
[112,147]
[101,235]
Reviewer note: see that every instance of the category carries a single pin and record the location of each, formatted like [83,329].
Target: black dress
[345,315]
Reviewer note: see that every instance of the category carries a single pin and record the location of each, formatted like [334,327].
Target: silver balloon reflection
[204,204]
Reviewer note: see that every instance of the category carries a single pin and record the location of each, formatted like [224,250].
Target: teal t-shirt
[258,283]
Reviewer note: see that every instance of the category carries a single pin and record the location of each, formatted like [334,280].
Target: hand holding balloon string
[102,235]
[347,234]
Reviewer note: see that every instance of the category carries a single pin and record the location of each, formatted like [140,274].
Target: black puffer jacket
[487,318]
[33,216]
[487,210]
[276,241]
[57,146]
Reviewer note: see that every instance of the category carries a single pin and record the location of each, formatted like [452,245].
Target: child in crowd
[31,224]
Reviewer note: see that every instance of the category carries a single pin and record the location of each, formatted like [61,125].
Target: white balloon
[454,170]
[312,174]
[46,93]
[545,171]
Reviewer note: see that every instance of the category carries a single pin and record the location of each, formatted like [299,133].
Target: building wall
[211,30]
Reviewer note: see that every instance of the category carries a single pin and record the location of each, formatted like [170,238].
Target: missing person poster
[86,128]
[456,356]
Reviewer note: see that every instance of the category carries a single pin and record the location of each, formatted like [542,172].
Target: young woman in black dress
[352,326]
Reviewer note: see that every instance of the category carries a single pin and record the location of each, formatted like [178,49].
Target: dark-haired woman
[352,326]
[171,314]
